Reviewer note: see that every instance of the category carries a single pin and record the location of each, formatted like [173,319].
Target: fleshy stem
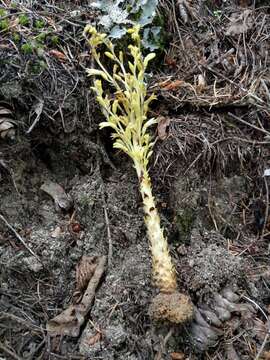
[164,274]
[126,114]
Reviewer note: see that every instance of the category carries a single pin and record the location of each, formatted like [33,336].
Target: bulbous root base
[174,307]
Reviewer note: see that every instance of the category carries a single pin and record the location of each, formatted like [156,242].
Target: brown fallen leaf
[94,339]
[266,355]
[5,46]
[171,62]
[84,271]
[171,85]
[58,55]
[70,320]
[177,356]
[162,128]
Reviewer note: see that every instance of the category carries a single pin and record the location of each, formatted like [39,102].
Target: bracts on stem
[126,114]
[169,304]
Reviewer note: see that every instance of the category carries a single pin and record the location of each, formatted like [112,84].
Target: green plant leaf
[148,58]
[147,124]
[118,144]
[96,72]
[109,55]
[104,124]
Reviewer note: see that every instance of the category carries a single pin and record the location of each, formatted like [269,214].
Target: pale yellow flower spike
[126,114]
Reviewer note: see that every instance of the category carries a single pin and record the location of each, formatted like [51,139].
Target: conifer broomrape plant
[126,115]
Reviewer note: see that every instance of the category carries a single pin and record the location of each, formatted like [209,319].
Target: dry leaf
[260,329]
[37,109]
[201,85]
[244,3]
[5,46]
[177,356]
[240,24]
[162,128]
[58,55]
[84,271]
[61,199]
[170,61]
[14,22]
[7,123]
[266,355]
[69,322]
[171,85]
[56,232]
[94,339]
[5,111]
[183,10]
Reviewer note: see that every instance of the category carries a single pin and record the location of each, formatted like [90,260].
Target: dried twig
[163,344]
[248,124]
[22,322]
[108,235]
[258,356]
[38,110]
[267,205]
[18,236]
[9,352]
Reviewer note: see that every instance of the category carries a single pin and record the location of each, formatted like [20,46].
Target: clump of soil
[210,267]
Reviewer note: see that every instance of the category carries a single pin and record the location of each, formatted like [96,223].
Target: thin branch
[18,236]
[258,356]
[248,124]
[9,352]
[110,251]
[267,205]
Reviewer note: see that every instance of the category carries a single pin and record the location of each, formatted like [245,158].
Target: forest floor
[70,209]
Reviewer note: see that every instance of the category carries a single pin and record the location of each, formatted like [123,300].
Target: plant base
[175,307]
